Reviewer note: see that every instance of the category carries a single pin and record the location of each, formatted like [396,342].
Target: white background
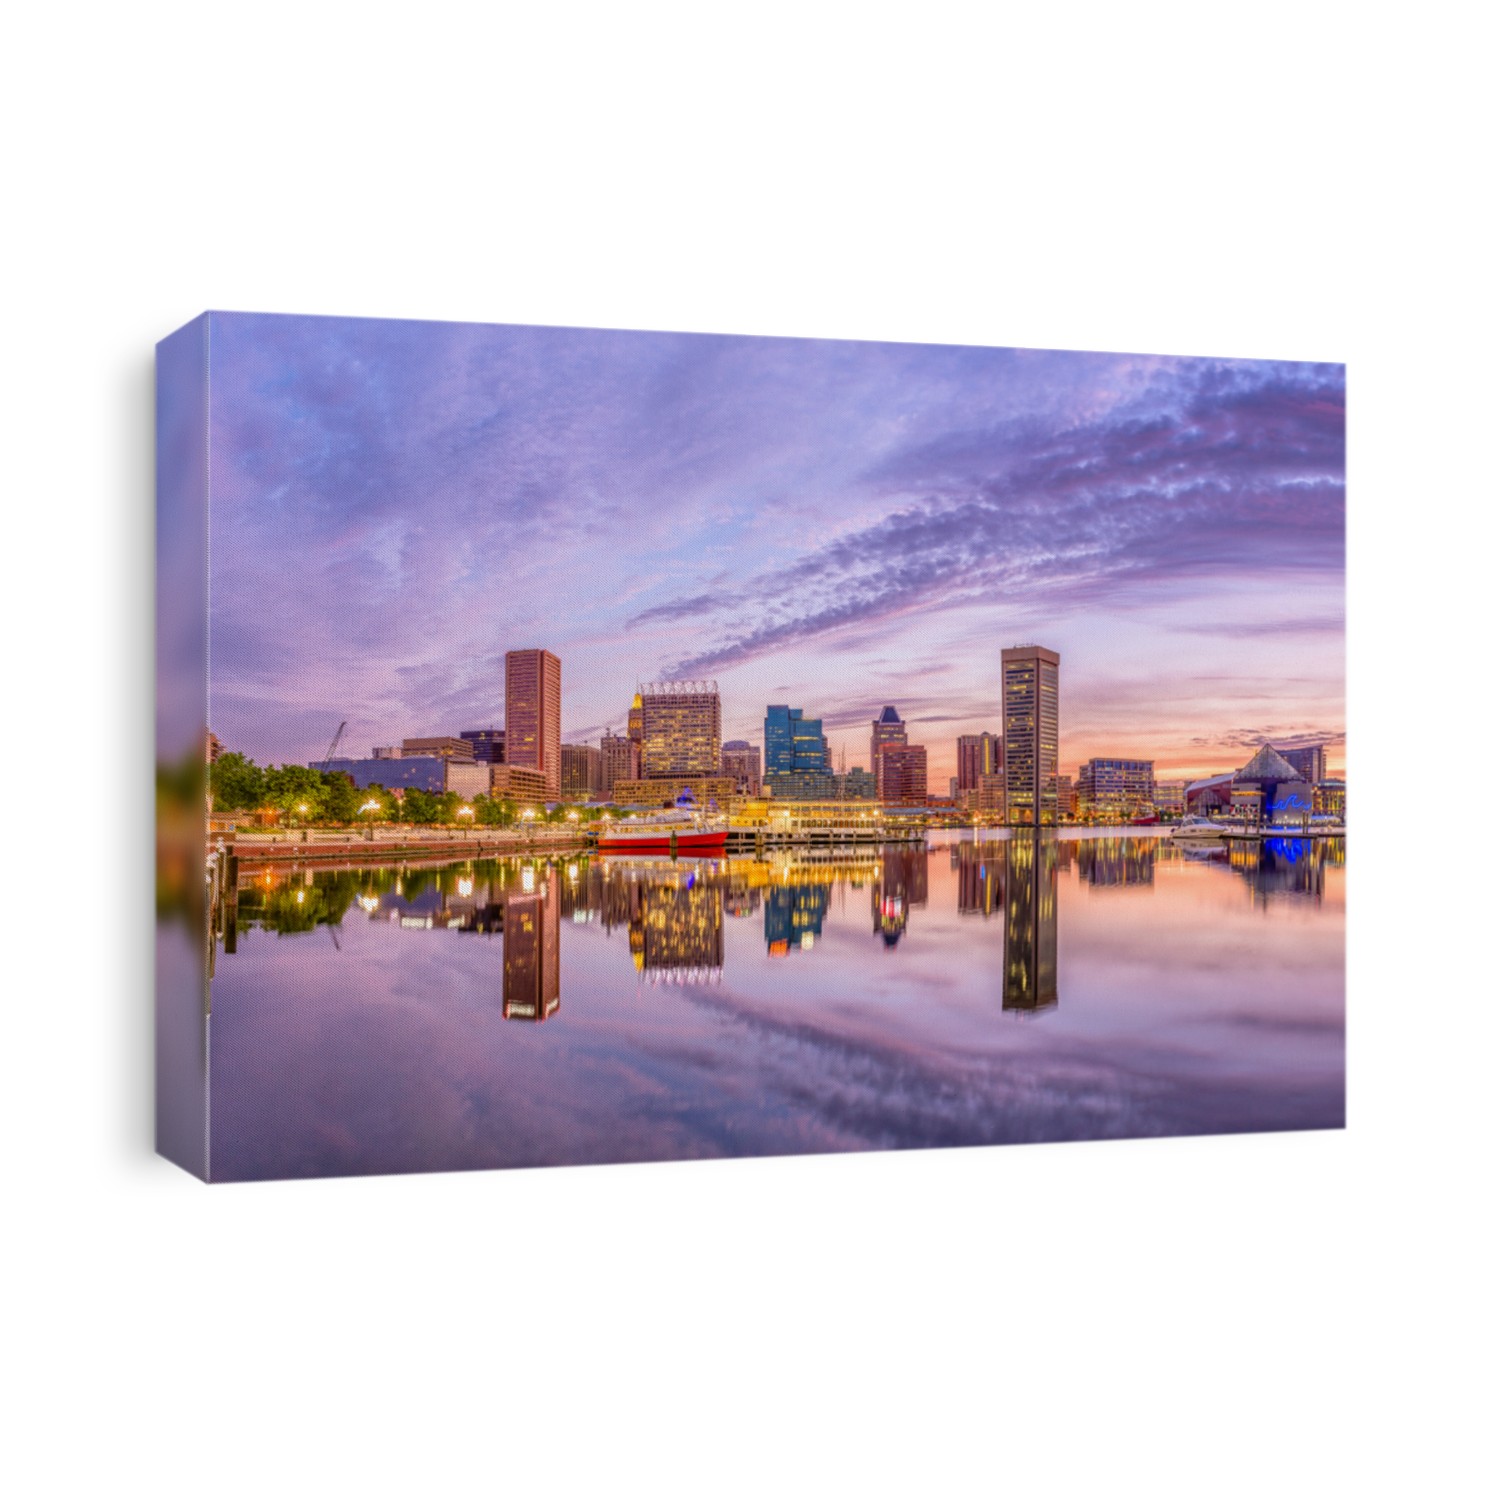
[1259,1316]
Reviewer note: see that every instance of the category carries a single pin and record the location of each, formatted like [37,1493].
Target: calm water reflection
[590,1010]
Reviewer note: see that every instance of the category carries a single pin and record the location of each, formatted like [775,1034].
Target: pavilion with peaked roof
[1268,764]
[1269,789]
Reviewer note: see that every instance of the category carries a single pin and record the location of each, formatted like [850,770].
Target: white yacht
[1201,829]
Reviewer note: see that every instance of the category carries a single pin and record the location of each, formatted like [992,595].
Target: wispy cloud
[393,505]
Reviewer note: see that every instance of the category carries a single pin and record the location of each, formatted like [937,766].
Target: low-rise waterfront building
[831,823]
[1112,788]
[518,783]
[854,785]
[1209,795]
[1269,790]
[468,778]
[422,773]
[800,786]
[1169,798]
[1329,799]
[988,797]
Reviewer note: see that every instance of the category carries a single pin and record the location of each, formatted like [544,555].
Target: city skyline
[834,525]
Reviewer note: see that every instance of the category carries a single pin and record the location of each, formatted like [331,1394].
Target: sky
[834,525]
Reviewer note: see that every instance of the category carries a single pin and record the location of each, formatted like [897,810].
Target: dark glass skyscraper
[489,744]
[793,743]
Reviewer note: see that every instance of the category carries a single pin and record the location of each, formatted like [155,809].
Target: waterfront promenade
[319,845]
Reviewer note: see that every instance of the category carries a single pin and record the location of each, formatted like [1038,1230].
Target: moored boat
[1199,828]
[682,829]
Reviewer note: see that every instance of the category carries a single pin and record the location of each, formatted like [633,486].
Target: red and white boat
[671,830]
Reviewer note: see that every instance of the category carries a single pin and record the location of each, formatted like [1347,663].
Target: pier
[766,826]
[319,845]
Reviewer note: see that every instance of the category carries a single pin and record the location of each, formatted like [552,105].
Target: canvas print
[583,746]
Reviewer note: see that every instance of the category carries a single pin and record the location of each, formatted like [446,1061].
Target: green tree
[236,782]
[494,812]
[418,806]
[293,788]
[448,806]
[385,810]
[339,799]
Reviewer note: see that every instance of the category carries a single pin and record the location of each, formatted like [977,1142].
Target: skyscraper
[978,755]
[1310,762]
[680,729]
[794,743]
[1029,700]
[533,715]
[902,775]
[886,730]
[796,755]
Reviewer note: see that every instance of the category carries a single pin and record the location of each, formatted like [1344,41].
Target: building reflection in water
[1030,923]
[674,911]
[1117,861]
[1286,868]
[533,979]
[981,877]
[794,915]
[900,885]
[1015,880]
[677,927]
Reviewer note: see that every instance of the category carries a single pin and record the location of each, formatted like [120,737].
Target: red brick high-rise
[533,715]
[903,775]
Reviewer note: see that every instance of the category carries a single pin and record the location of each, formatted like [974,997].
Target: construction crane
[333,744]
